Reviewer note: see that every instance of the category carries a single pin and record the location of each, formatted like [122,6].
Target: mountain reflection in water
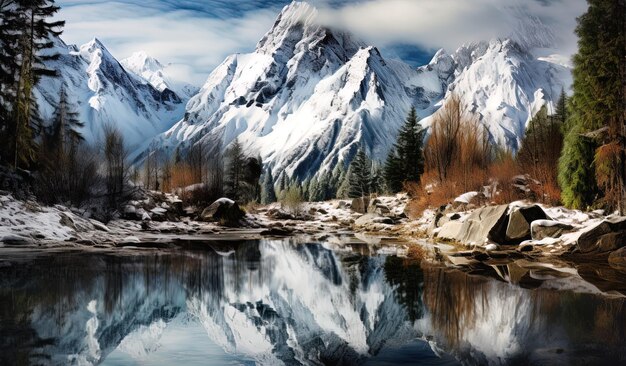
[276,302]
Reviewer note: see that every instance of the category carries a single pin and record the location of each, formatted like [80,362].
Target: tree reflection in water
[276,301]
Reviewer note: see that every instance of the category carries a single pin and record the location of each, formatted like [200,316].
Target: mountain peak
[291,22]
[140,62]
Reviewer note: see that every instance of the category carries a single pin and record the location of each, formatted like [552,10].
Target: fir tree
[393,172]
[359,178]
[268,194]
[405,162]
[34,40]
[11,26]
[234,175]
[64,135]
[283,183]
[377,182]
[312,190]
[344,185]
[576,175]
[336,178]
[561,113]
[598,101]
[324,187]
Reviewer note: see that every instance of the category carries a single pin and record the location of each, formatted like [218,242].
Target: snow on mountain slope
[104,93]
[304,100]
[500,81]
[157,75]
[308,96]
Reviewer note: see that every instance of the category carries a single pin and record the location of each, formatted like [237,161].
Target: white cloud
[180,37]
[202,40]
[435,24]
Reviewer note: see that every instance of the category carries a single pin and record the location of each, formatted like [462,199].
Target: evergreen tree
[34,41]
[64,133]
[312,191]
[11,24]
[336,178]
[561,113]
[234,175]
[344,185]
[359,178]
[283,183]
[598,101]
[268,194]
[377,182]
[576,174]
[324,187]
[405,162]
[393,172]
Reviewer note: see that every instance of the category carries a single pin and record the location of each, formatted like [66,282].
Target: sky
[196,35]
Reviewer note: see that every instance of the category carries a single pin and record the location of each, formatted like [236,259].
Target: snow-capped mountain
[105,93]
[500,81]
[308,96]
[304,100]
[156,74]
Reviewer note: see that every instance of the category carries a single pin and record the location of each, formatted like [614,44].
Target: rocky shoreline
[512,242]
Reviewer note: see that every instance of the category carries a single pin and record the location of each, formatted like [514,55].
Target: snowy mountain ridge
[156,74]
[308,96]
[104,93]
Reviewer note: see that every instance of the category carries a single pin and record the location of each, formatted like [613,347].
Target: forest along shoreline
[516,242]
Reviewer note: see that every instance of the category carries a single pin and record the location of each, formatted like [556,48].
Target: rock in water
[225,211]
[518,228]
[617,259]
[591,239]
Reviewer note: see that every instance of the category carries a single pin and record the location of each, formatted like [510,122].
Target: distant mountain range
[308,96]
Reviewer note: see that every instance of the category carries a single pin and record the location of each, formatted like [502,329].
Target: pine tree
[11,25]
[34,40]
[561,113]
[283,183]
[598,101]
[359,178]
[65,135]
[268,194]
[377,182]
[344,185]
[324,187]
[336,178]
[234,175]
[410,147]
[576,174]
[393,172]
[312,190]
[405,162]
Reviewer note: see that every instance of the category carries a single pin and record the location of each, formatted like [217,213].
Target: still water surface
[277,302]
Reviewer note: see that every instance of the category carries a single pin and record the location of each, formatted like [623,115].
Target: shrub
[293,201]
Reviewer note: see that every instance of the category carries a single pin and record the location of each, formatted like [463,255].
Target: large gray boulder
[360,204]
[518,227]
[604,236]
[541,229]
[450,230]
[371,219]
[225,211]
[484,224]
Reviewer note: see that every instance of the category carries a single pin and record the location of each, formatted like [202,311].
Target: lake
[282,302]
